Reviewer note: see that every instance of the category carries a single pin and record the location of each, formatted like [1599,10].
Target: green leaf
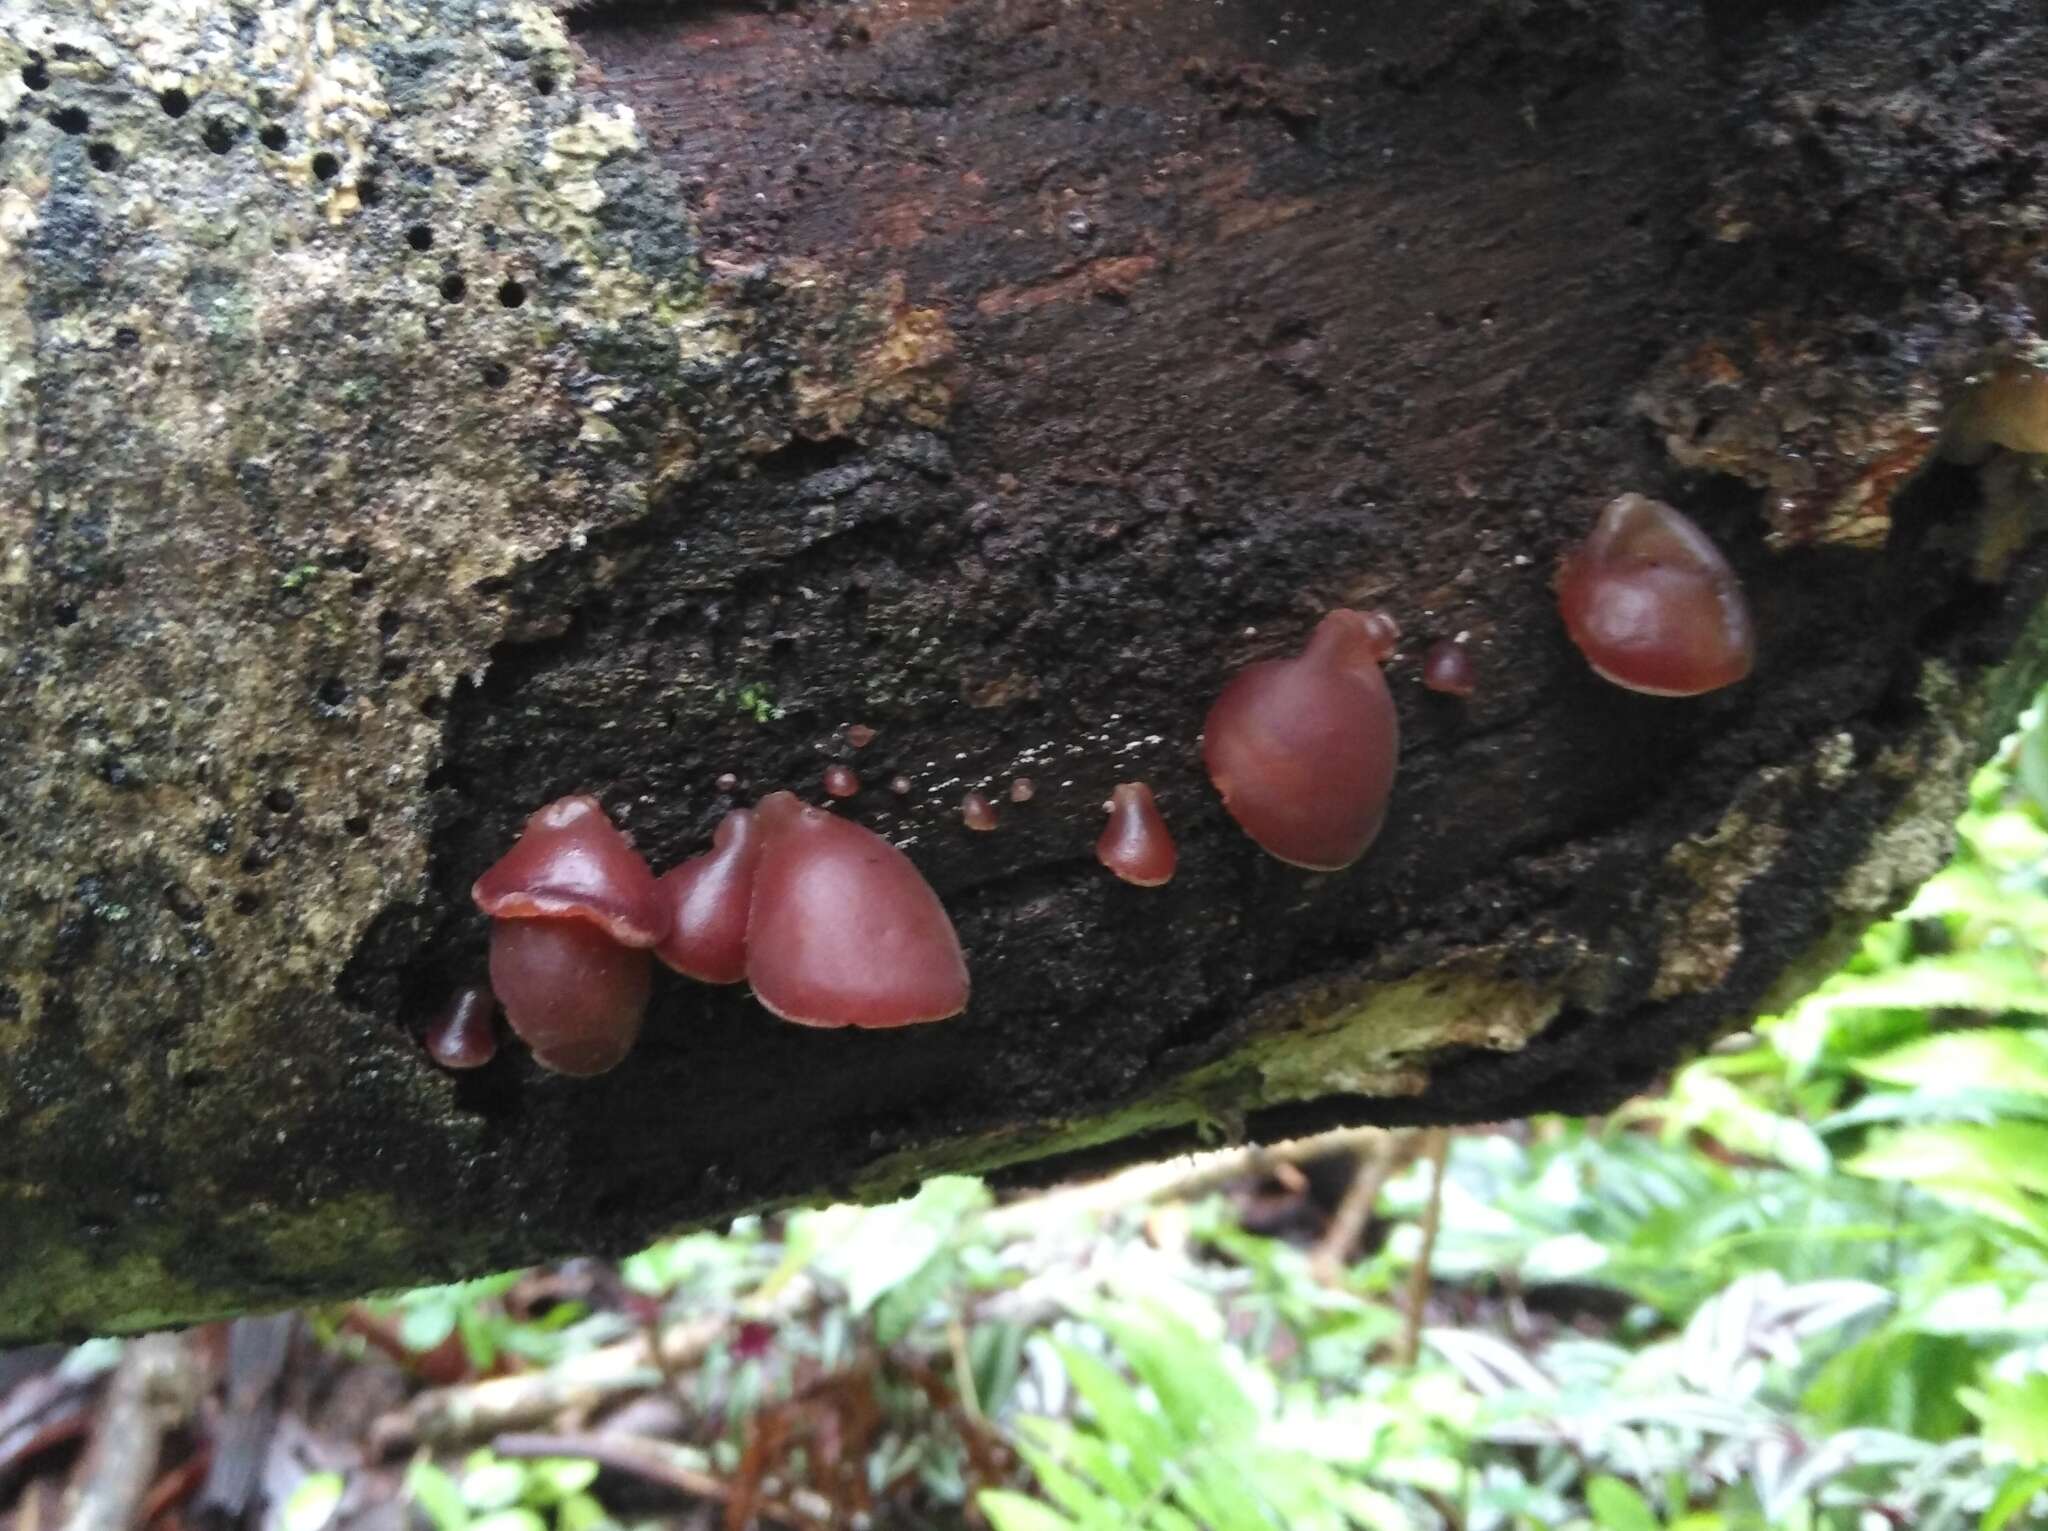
[424,1325]
[489,1484]
[2015,1416]
[1896,1380]
[580,1512]
[1122,1416]
[313,1502]
[1618,1507]
[553,1478]
[1014,1512]
[437,1495]
[2019,1491]
[2002,1058]
[509,1520]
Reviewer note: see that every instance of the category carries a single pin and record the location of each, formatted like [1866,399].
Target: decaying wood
[405,420]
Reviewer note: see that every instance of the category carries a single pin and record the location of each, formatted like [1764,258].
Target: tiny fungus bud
[1382,633]
[706,900]
[900,785]
[463,1033]
[1136,844]
[1653,605]
[859,735]
[840,781]
[844,930]
[573,911]
[1023,790]
[977,812]
[1448,668]
[727,782]
[1303,750]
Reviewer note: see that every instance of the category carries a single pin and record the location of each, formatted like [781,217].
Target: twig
[453,1416]
[1436,1149]
[1376,1165]
[655,1462]
[1172,1180]
[154,1390]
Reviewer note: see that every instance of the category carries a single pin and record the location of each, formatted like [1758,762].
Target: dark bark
[1084,352]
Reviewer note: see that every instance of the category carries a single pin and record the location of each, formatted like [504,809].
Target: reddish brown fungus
[1136,844]
[840,781]
[1448,668]
[574,909]
[727,782]
[1303,749]
[977,812]
[706,900]
[1653,605]
[463,1033]
[859,735]
[1023,790]
[900,785]
[574,995]
[570,862]
[1382,633]
[844,930]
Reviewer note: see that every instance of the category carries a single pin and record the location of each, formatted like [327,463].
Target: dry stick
[1436,1150]
[154,1390]
[654,1462]
[453,1416]
[1387,1152]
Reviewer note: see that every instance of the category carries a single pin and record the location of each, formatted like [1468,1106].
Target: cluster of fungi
[830,925]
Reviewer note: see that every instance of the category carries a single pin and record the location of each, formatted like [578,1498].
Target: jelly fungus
[977,812]
[2007,409]
[840,781]
[463,1033]
[1448,668]
[1303,749]
[859,735]
[1136,844]
[705,901]
[1382,634]
[1653,605]
[574,995]
[573,912]
[1023,790]
[571,863]
[844,931]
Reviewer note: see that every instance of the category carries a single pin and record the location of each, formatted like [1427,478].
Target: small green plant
[756,702]
[491,1494]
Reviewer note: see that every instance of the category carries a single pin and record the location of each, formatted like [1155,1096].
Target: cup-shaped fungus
[463,1033]
[840,781]
[705,902]
[573,913]
[1135,843]
[1653,605]
[844,931]
[1303,749]
[977,812]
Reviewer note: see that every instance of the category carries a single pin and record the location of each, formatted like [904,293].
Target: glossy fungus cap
[1303,750]
[1653,605]
[571,863]
[844,930]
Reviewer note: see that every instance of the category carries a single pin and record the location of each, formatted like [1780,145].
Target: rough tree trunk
[411,414]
